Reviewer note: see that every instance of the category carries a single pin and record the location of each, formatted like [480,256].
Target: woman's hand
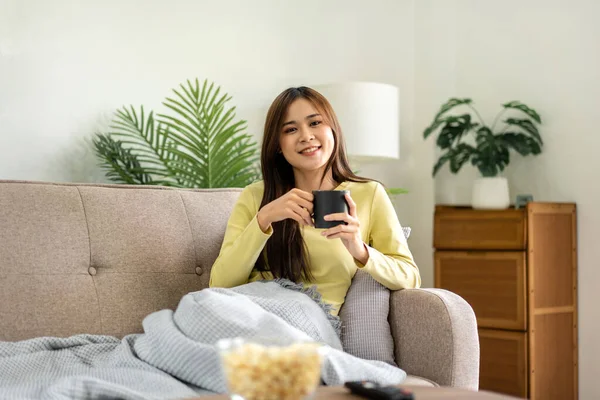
[295,204]
[350,233]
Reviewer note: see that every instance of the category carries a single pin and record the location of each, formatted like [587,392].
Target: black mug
[328,202]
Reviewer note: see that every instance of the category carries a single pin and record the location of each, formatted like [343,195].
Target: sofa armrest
[435,336]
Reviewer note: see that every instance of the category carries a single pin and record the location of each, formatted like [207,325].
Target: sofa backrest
[92,258]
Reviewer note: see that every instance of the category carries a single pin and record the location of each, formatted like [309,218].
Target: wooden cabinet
[518,270]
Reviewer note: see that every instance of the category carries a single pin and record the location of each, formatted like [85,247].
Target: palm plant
[197,145]
[491,151]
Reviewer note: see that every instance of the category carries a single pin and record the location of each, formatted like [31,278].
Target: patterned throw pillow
[366,332]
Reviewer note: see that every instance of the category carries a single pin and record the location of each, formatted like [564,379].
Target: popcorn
[271,372]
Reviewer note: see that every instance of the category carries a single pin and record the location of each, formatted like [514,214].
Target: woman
[270,233]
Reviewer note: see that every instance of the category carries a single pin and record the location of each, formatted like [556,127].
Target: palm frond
[196,143]
[143,135]
[121,164]
[203,125]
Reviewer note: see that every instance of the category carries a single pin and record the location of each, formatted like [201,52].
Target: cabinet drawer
[464,228]
[493,283]
[503,361]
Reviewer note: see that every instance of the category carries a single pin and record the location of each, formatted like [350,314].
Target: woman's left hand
[350,233]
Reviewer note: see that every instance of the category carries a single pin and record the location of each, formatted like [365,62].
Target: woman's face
[305,139]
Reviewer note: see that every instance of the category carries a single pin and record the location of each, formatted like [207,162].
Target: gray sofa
[90,258]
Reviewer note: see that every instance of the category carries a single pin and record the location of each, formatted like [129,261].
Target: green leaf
[488,170]
[122,166]
[527,126]
[455,127]
[395,191]
[517,105]
[484,134]
[459,156]
[227,151]
[490,156]
[521,143]
[434,125]
[450,104]
[437,121]
[142,136]
[237,168]
[206,127]
[444,158]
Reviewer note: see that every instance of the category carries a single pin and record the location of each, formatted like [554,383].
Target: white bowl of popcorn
[271,369]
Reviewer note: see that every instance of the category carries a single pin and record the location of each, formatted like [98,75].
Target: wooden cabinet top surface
[465,228]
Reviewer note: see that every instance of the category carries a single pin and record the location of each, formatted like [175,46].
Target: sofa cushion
[412,380]
[44,256]
[366,332]
[98,258]
[149,247]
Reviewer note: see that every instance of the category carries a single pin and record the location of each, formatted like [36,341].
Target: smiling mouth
[310,150]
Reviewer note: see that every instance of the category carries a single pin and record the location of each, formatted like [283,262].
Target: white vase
[490,193]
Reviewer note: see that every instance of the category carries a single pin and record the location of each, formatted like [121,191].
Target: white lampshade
[369,117]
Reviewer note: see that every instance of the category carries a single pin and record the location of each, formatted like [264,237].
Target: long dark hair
[285,254]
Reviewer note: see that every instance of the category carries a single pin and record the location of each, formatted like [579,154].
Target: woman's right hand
[295,204]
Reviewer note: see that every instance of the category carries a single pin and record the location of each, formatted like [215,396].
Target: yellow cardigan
[390,260]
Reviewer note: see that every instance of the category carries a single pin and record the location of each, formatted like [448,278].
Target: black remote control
[372,390]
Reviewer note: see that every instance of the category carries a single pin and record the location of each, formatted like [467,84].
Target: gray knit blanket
[175,356]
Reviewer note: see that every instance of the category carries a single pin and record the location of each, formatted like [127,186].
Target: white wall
[67,65]
[545,53]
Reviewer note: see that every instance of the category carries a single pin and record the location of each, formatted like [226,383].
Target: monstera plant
[196,143]
[465,137]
